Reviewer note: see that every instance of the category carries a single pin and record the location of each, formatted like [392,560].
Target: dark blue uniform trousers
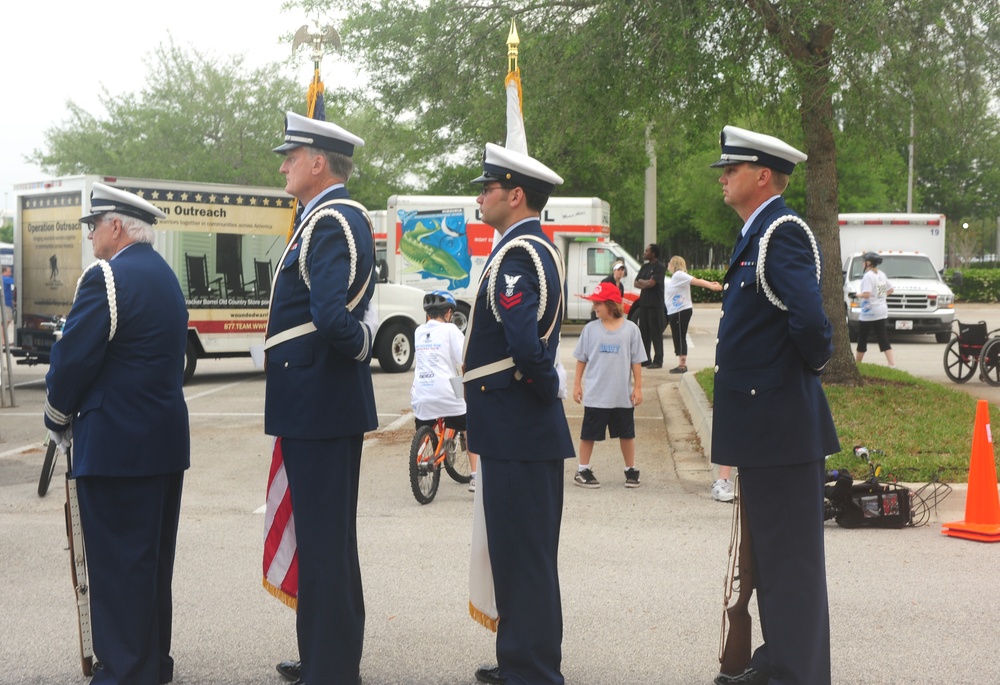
[785,513]
[523,502]
[130,532]
[323,477]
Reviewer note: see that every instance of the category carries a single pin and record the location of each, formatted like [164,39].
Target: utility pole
[649,225]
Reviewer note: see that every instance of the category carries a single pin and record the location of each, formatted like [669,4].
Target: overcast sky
[66,50]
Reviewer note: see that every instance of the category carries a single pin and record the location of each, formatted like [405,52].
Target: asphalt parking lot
[642,570]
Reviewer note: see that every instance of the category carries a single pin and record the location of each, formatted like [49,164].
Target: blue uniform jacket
[125,397]
[511,418]
[769,406]
[319,385]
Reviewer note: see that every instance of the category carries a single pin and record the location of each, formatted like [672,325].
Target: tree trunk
[822,209]
[808,49]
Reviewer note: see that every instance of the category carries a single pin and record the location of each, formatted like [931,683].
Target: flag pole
[512,42]
[516,138]
[315,108]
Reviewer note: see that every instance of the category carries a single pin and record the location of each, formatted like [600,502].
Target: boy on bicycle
[438,345]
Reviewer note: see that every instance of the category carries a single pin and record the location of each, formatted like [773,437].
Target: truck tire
[190,361]
[460,317]
[942,337]
[852,334]
[395,350]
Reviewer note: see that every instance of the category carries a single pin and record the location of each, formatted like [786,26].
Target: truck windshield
[899,267]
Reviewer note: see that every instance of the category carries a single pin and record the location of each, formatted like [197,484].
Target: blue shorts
[619,423]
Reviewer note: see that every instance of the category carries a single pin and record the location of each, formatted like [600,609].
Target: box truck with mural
[912,250]
[222,241]
[441,243]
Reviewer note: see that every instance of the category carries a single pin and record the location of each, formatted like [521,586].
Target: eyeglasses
[97,223]
[487,191]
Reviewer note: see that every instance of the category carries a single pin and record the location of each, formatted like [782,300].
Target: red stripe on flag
[281,559]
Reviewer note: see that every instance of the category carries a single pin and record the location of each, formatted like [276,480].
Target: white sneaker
[722,491]
[472,484]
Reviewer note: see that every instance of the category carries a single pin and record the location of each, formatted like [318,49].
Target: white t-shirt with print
[875,307]
[609,356]
[677,292]
[438,353]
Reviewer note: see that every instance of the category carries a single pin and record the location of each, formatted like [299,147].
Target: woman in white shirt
[677,297]
[875,287]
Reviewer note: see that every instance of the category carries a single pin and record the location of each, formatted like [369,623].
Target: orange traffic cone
[982,503]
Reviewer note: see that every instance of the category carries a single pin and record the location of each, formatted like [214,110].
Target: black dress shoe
[302,682]
[747,677]
[292,670]
[491,676]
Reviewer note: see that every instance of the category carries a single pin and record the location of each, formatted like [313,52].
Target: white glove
[370,318]
[63,439]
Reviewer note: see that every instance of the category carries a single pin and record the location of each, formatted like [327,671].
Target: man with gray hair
[114,390]
[319,400]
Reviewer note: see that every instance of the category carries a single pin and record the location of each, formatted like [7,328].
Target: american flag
[281,559]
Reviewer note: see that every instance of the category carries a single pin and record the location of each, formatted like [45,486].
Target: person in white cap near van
[875,288]
[771,418]
[609,356]
[319,400]
[618,272]
[516,420]
[114,387]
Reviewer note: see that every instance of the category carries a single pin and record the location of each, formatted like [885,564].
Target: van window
[599,261]
[898,267]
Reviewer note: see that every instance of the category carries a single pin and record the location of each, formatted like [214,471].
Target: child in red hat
[609,358]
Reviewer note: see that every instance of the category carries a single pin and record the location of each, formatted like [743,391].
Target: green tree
[834,78]
[841,80]
[195,119]
[217,120]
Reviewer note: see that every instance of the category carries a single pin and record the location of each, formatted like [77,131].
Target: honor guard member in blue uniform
[114,388]
[516,420]
[319,400]
[771,415]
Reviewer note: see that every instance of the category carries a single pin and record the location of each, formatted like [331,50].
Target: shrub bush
[704,294]
[979,285]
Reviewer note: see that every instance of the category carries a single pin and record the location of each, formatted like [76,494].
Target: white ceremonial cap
[104,199]
[302,131]
[517,169]
[740,145]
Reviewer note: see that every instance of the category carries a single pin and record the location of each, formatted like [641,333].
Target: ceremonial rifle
[78,566]
[734,648]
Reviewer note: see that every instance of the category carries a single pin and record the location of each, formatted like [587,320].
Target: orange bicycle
[433,447]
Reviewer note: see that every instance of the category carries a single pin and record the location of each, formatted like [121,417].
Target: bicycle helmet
[439,301]
[873,258]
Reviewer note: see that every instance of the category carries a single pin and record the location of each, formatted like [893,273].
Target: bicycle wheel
[989,362]
[424,475]
[48,468]
[456,463]
[959,367]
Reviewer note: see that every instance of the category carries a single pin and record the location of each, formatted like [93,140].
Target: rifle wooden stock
[734,655]
[78,566]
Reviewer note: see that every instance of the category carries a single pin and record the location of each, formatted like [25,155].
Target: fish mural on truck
[435,245]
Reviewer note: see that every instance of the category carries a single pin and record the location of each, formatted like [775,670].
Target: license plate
[904,325]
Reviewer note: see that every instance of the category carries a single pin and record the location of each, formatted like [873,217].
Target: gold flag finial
[512,42]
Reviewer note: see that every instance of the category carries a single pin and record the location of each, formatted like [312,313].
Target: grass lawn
[923,429]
